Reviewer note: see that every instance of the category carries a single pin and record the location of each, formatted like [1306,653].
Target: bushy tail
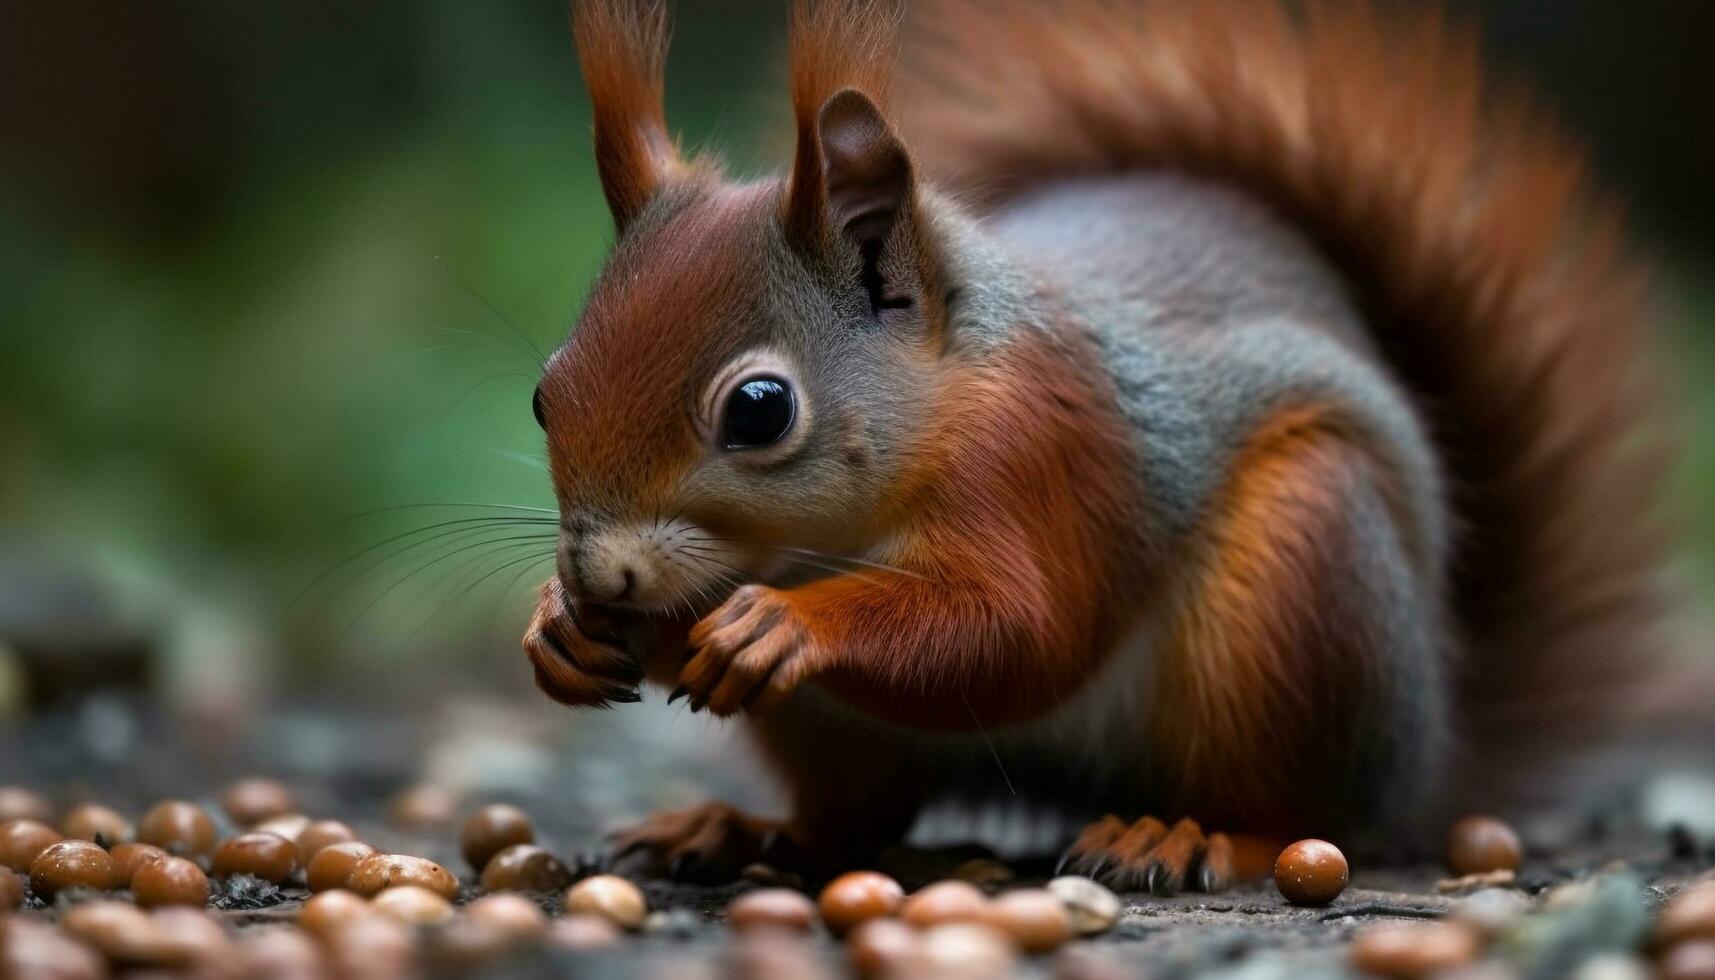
[1493,280]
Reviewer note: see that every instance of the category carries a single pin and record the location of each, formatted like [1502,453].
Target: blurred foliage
[269,266]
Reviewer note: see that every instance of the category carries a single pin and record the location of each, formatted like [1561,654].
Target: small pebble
[1492,910]
[91,821]
[379,872]
[11,890]
[525,868]
[334,863]
[22,839]
[1411,951]
[251,801]
[608,895]
[423,807]
[30,949]
[132,856]
[413,905]
[512,915]
[858,896]
[1034,918]
[280,954]
[178,827]
[882,948]
[330,910]
[169,881]
[491,830]
[263,855]
[73,864]
[944,901]
[1688,915]
[1310,872]
[966,949]
[18,803]
[1478,844]
[1693,960]
[583,930]
[771,908]
[1093,908]
[320,834]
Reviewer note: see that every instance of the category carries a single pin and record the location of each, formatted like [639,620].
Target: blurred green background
[268,268]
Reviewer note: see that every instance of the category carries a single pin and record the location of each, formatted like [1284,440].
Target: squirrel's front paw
[748,654]
[571,667]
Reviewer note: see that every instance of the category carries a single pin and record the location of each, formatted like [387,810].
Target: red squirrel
[1224,414]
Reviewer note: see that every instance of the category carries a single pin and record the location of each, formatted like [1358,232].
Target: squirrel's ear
[851,183]
[622,48]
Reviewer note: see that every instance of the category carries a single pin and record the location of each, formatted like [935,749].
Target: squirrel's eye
[536,406]
[758,413]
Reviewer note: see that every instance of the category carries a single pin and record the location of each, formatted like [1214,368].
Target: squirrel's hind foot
[1150,856]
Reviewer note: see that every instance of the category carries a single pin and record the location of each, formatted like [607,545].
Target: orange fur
[1493,279]
[622,48]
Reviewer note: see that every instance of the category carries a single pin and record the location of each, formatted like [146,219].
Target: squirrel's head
[743,388]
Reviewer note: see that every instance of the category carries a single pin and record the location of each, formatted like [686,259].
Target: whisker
[865,562]
[421,569]
[480,522]
[482,301]
[502,376]
[398,507]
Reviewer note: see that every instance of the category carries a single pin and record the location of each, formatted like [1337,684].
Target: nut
[1409,951]
[771,908]
[251,801]
[1688,915]
[334,863]
[583,930]
[1479,844]
[1310,872]
[73,864]
[609,895]
[944,901]
[883,948]
[11,890]
[525,868]
[413,905]
[493,829]
[130,857]
[320,834]
[379,872]
[856,897]
[330,910]
[1092,908]
[21,840]
[18,803]
[178,827]
[91,821]
[169,881]
[513,916]
[265,855]
[1035,919]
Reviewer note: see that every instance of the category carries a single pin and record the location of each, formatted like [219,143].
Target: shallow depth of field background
[269,268]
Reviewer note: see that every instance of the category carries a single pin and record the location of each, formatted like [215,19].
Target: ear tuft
[622,49]
[866,172]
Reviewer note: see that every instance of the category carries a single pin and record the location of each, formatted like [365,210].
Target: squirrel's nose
[610,582]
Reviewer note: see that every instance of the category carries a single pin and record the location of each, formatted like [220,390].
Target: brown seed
[267,856]
[944,901]
[858,896]
[1409,951]
[1034,919]
[511,915]
[1092,907]
[320,834]
[583,930]
[1479,844]
[73,864]
[280,954]
[92,821]
[194,930]
[375,947]
[30,948]
[423,806]
[11,890]
[334,863]
[882,948]
[331,909]
[966,949]
[132,856]
[609,895]
[1689,915]
[18,803]
[21,840]
[251,801]
[169,881]
[772,908]
[287,825]
[491,830]
[1694,960]
[1311,872]
[525,868]
[413,905]
[178,827]
[127,935]
[379,872]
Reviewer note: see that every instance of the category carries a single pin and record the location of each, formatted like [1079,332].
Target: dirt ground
[1629,841]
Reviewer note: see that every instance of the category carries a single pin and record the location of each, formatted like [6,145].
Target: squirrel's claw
[1150,856]
[749,653]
